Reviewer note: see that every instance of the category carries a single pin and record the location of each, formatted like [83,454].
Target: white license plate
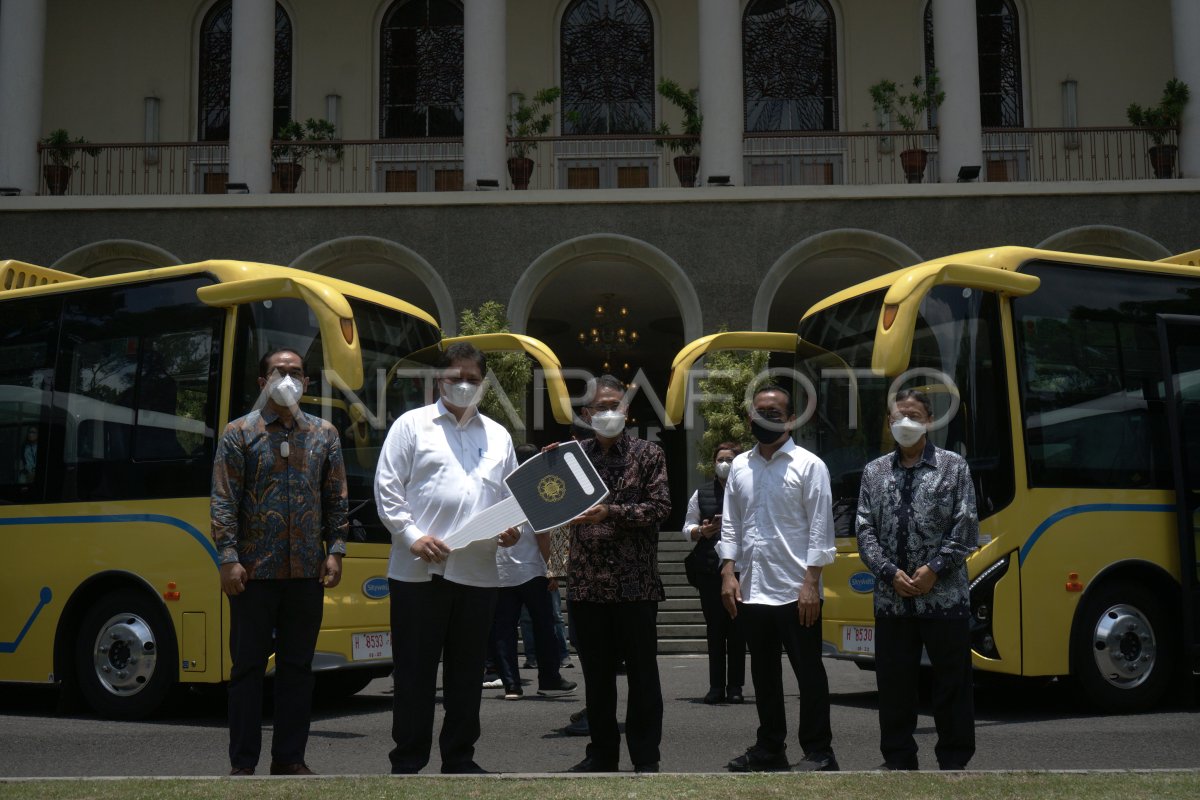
[858,639]
[368,646]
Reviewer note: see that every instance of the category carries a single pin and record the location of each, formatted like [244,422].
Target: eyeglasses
[297,374]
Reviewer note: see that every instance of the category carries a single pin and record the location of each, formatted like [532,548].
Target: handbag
[702,566]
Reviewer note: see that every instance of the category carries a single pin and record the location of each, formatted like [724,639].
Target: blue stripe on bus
[1087,509]
[163,519]
[44,597]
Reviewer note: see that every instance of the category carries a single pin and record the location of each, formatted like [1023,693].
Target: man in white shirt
[439,465]
[777,533]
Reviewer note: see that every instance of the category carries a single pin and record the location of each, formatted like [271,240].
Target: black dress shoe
[646,768]
[756,759]
[464,768]
[733,696]
[579,727]
[899,766]
[714,696]
[593,764]
[299,768]
[818,762]
[242,771]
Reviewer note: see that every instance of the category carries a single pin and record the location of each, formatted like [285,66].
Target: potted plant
[295,141]
[687,166]
[529,119]
[908,107]
[62,154]
[1158,121]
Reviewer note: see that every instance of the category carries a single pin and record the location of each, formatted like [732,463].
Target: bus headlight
[982,591]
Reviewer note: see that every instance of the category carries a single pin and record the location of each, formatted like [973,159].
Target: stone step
[673,543]
[679,617]
[679,604]
[670,567]
[681,591]
[681,631]
[682,645]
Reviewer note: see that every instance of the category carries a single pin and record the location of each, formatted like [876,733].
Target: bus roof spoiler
[1188,259]
[339,336]
[681,367]
[560,403]
[19,275]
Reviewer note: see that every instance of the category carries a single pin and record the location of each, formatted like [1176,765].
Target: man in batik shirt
[614,586]
[279,520]
[917,523]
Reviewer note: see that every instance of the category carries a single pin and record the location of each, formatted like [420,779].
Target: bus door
[1179,338]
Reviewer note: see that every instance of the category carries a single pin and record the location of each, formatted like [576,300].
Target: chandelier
[609,333]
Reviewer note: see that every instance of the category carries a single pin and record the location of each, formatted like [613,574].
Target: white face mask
[286,391]
[723,469]
[608,423]
[461,394]
[907,432]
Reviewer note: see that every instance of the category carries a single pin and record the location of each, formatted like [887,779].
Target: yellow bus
[1071,384]
[112,391]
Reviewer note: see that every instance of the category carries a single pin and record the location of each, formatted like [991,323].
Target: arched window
[607,67]
[789,65]
[421,69]
[216,45]
[998,33]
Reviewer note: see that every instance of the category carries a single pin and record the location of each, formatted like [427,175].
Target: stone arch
[385,266]
[1106,240]
[113,256]
[608,246]
[865,252]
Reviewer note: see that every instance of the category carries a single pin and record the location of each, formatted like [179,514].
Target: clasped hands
[921,582]
[433,550]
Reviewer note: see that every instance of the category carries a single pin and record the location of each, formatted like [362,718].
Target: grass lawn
[867,786]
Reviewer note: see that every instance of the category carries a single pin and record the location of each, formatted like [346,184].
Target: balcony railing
[610,162]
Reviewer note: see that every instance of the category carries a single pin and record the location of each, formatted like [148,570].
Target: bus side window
[137,376]
[26,380]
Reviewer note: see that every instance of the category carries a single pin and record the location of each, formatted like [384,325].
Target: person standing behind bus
[440,464]
[702,525]
[279,520]
[917,523]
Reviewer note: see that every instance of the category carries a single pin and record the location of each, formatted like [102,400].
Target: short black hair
[775,387]
[732,447]
[914,394]
[606,381]
[463,351]
[525,451]
[264,362]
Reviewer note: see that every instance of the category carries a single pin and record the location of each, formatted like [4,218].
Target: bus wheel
[1121,652]
[125,655]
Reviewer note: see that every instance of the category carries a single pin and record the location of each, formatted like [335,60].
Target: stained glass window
[216,46]
[789,65]
[998,33]
[421,69]
[607,67]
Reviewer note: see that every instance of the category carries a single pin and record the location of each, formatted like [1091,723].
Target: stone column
[485,92]
[22,55]
[956,50]
[252,94]
[1185,27]
[721,92]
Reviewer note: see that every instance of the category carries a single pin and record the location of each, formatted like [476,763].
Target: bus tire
[1122,648]
[125,662]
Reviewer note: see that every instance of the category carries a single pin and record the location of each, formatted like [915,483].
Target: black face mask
[764,434]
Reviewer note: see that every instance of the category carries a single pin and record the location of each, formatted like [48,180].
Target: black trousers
[431,621]
[898,642]
[284,617]
[767,629]
[606,632]
[534,595]
[726,644]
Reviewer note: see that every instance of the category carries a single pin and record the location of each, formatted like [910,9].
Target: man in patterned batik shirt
[279,520]
[614,586]
[917,523]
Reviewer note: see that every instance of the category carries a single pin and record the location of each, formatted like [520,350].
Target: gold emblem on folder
[552,489]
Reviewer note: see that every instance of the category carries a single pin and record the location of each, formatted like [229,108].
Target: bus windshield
[387,338]
[957,352]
